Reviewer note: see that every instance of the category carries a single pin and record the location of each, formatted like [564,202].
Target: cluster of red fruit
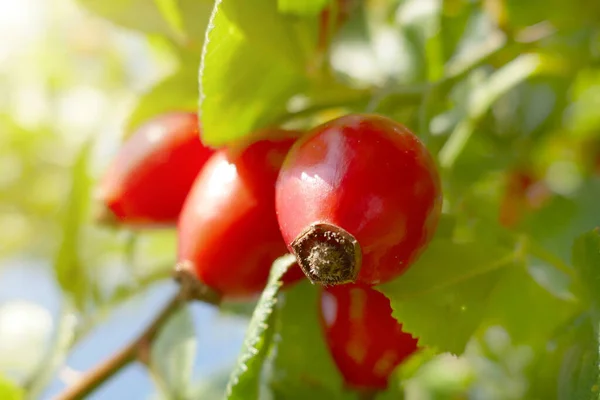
[355,200]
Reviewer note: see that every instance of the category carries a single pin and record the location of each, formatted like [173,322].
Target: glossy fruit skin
[365,341]
[147,182]
[370,176]
[228,232]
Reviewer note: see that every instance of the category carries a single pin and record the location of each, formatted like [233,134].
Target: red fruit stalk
[365,341]
[148,180]
[228,232]
[358,198]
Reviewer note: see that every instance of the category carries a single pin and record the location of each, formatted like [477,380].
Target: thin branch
[117,299]
[190,289]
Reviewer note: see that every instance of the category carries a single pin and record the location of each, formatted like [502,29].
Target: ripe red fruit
[228,232]
[357,199]
[365,341]
[147,182]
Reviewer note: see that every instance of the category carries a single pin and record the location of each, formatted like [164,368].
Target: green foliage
[582,365]
[9,390]
[505,312]
[586,259]
[172,355]
[245,379]
[302,7]
[70,273]
[299,364]
[449,286]
[179,19]
[484,96]
[173,93]
[274,51]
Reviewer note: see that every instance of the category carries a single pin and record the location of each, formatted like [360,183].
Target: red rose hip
[228,232]
[147,182]
[365,341]
[358,198]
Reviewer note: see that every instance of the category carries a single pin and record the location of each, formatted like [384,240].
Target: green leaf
[580,372]
[558,224]
[196,14]
[302,7]
[545,312]
[172,14]
[173,353]
[574,365]
[442,297]
[553,280]
[70,272]
[289,38]
[557,12]
[244,380]
[586,260]
[10,391]
[500,82]
[211,386]
[299,364]
[142,15]
[181,19]
[583,116]
[177,92]
[255,59]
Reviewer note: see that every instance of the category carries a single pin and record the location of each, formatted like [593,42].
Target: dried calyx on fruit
[147,182]
[365,341]
[228,232]
[358,198]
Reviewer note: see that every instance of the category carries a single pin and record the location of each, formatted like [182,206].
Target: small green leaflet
[517,290]
[586,260]
[254,60]
[299,365]
[176,92]
[244,383]
[173,353]
[442,298]
[10,391]
[578,374]
[70,272]
[172,15]
[142,15]
[179,19]
[499,83]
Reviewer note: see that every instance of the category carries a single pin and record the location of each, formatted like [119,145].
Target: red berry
[147,182]
[365,341]
[228,232]
[357,199]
